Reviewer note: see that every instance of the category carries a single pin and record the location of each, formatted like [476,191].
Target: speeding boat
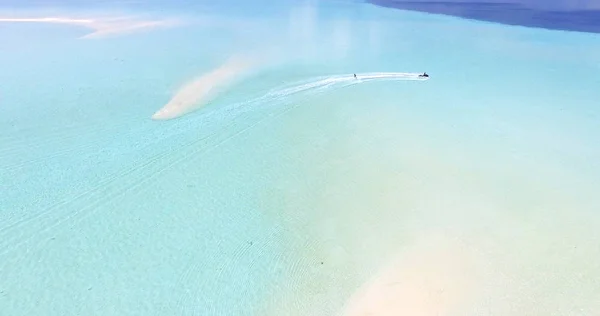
[424,75]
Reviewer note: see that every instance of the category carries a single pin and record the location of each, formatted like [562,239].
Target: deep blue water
[568,15]
[581,16]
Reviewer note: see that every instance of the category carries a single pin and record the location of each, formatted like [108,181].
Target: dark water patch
[552,15]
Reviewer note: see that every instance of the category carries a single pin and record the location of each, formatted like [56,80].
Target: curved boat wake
[339,81]
[191,94]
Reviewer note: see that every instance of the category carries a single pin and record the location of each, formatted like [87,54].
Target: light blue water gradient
[106,212]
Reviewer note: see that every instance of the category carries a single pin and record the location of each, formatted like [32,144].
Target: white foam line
[328,81]
[202,90]
[391,75]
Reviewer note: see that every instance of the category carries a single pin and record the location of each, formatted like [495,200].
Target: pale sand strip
[197,92]
[101,27]
[436,276]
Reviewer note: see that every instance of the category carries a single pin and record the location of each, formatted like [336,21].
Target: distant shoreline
[587,21]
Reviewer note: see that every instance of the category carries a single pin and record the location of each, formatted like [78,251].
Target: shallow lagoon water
[289,205]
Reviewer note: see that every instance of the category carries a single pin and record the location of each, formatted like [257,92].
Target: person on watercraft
[355,76]
[425,75]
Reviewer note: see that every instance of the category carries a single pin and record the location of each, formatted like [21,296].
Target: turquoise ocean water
[288,192]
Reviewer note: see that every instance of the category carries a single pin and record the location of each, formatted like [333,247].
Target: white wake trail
[338,81]
[202,90]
